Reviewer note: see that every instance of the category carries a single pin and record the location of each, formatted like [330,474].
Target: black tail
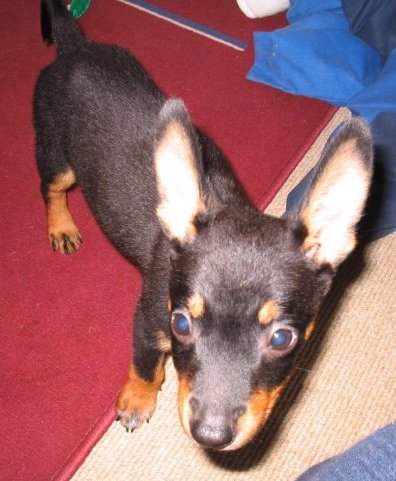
[58,27]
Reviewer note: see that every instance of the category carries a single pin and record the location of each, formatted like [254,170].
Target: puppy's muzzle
[225,428]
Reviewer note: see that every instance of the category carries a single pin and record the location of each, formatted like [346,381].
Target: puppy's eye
[181,324]
[283,340]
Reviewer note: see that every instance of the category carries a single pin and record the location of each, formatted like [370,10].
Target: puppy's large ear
[178,169]
[338,193]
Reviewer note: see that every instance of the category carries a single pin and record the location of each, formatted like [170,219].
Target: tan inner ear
[178,184]
[335,206]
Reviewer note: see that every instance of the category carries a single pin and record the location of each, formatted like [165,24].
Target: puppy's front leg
[137,399]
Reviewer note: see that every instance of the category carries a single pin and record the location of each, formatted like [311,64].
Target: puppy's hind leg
[62,230]
[56,174]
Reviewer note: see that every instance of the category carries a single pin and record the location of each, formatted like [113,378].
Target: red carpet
[65,321]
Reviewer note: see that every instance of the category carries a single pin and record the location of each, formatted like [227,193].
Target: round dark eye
[181,323]
[283,339]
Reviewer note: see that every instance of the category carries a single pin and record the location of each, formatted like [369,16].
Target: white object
[262,8]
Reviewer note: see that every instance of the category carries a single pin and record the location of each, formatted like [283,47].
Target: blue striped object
[187,24]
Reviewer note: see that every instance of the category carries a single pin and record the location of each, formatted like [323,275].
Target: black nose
[212,433]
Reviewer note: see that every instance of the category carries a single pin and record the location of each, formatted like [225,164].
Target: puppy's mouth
[223,432]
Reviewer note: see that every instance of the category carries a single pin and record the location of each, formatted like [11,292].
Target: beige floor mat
[345,387]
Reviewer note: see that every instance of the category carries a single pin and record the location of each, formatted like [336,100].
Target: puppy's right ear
[337,197]
[178,169]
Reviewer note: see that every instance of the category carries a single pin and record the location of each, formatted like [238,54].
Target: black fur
[98,113]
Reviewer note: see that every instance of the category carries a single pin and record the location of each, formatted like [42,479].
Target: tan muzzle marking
[259,409]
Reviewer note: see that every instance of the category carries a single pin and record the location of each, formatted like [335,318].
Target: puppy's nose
[212,433]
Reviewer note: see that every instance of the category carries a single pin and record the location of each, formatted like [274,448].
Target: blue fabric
[318,56]
[380,95]
[373,459]
[374,22]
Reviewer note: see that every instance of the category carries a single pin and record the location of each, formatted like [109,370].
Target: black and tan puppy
[231,293]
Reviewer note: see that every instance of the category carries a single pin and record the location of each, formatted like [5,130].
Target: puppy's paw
[65,242]
[132,410]
[132,414]
[137,400]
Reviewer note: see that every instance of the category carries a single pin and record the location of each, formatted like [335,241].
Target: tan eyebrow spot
[267,312]
[196,305]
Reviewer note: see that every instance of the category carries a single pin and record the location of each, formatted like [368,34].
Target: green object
[79,7]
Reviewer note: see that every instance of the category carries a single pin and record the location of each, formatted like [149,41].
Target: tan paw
[65,241]
[137,399]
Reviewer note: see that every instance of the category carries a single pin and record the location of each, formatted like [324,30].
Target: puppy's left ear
[338,194]
[179,172]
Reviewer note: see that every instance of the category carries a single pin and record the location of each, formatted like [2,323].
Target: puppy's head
[245,287]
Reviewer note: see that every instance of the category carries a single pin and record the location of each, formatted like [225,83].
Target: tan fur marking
[163,342]
[62,230]
[63,182]
[259,409]
[138,396]
[184,404]
[309,330]
[196,306]
[268,312]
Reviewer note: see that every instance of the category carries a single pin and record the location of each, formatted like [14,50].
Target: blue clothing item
[299,10]
[374,22]
[373,459]
[380,95]
[318,56]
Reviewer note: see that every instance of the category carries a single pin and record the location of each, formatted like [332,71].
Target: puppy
[230,293]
